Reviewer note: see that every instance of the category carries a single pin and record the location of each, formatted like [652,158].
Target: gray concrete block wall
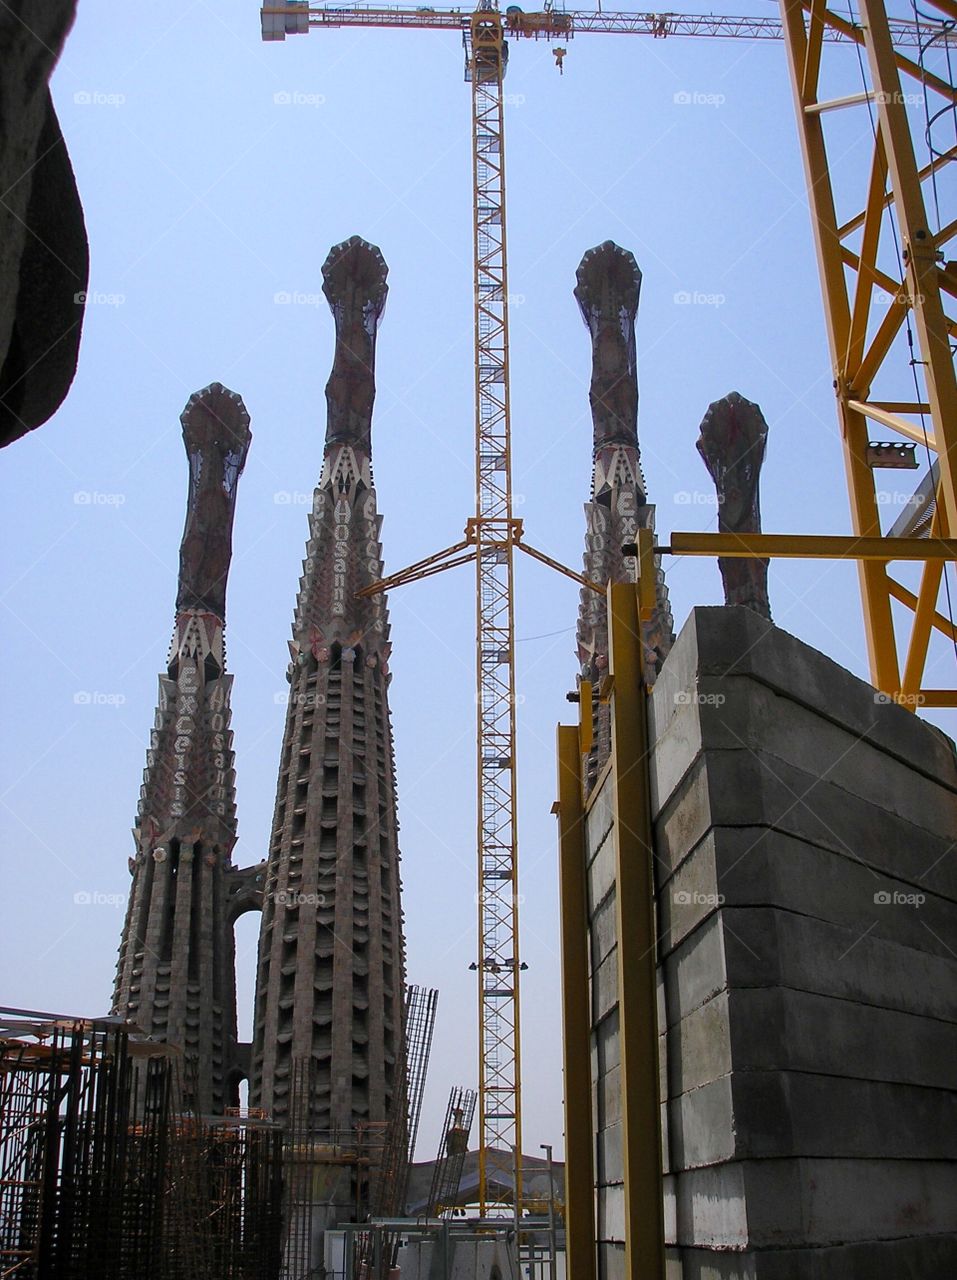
[807,910]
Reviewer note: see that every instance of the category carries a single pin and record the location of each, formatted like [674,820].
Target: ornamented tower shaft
[732,442]
[331,977]
[175,978]
[608,289]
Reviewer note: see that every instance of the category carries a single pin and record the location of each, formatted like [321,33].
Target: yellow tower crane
[853,284]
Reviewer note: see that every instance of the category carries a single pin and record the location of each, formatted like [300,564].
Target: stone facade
[807,911]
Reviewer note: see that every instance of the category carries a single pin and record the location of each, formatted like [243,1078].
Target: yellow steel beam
[937,163]
[923,623]
[435,563]
[559,567]
[897,290]
[896,423]
[868,258]
[920,254]
[937,698]
[901,593]
[836,22]
[635,925]
[810,546]
[576,1020]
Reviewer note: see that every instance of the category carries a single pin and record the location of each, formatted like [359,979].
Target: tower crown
[354,282]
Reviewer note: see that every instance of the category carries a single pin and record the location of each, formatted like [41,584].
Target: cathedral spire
[607,291]
[175,973]
[331,976]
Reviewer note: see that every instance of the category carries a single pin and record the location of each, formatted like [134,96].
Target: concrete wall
[807,913]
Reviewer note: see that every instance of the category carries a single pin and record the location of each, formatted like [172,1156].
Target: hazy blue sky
[216,173]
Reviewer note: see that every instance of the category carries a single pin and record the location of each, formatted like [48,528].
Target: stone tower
[607,291]
[175,977]
[331,976]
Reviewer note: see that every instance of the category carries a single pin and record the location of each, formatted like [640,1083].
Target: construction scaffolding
[376,1253]
[101,1171]
[453,1148]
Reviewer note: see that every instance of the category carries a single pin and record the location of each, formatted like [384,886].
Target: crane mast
[493,531]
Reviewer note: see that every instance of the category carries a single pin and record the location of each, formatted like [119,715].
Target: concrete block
[611,1261]
[611,1212]
[755,866]
[778,1113]
[841,1201]
[736,714]
[603,931]
[917,1258]
[694,970]
[747,790]
[767,1029]
[600,876]
[608,1046]
[698,1047]
[604,987]
[609,1099]
[700,1264]
[599,816]
[711,1207]
[769,947]
[702,1126]
[733,643]
[609,1165]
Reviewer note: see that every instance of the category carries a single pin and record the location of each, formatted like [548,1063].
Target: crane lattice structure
[493,534]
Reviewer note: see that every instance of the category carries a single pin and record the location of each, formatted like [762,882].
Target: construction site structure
[389,1194]
[493,534]
[453,1148]
[176,972]
[103,1172]
[330,985]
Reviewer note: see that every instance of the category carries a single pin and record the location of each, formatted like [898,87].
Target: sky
[216,172]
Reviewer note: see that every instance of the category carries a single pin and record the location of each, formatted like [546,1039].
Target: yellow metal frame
[861,345]
[576,1005]
[635,926]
